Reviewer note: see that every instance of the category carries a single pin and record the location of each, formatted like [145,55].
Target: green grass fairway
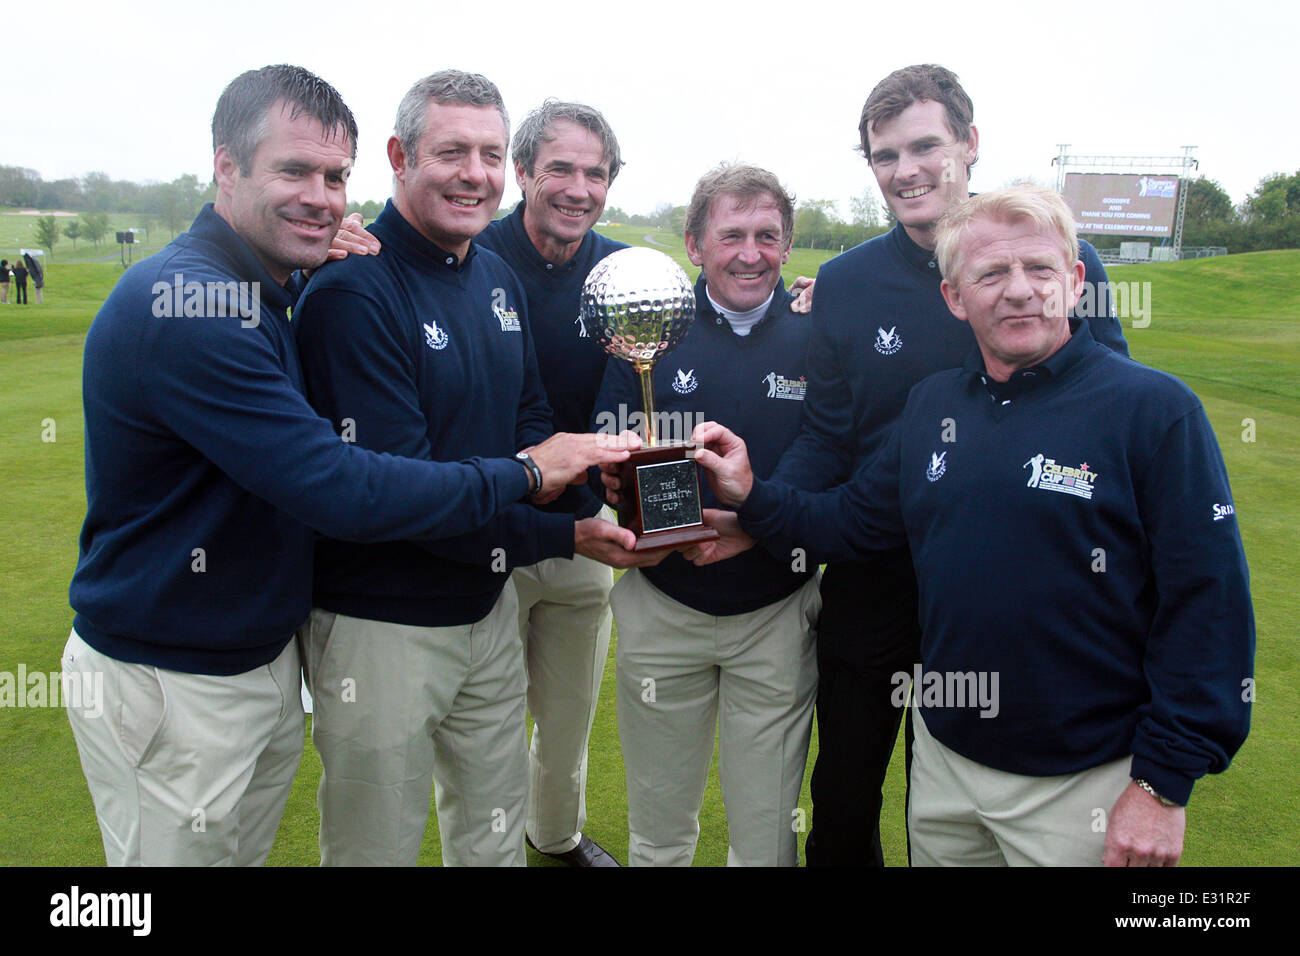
[18,231]
[1229,327]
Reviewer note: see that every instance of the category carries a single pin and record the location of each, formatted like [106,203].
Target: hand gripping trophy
[639,304]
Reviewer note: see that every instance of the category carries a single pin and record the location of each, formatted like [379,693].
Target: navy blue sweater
[206,469]
[572,364]
[428,357]
[1078,539]
[755,384]
[880,325]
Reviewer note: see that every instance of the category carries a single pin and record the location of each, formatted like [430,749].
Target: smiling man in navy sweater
[206,471]
[728,649]
[1087,633]
[412,652]
[565,159]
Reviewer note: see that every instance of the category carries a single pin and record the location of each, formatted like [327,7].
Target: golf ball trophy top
[639,305]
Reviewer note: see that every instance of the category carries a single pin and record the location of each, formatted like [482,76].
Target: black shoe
[587,853]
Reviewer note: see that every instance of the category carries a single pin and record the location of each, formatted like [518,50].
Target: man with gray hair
[566,157]
[412,650]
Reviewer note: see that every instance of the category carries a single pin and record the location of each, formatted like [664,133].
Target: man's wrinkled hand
[725,462]
[802,289]
[1140,831]
[565,457]
[731,540]
[352,240]
[607,543]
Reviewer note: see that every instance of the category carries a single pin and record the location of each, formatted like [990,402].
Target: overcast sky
[129,89]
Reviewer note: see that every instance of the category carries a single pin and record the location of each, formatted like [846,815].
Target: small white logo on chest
[435,337]
[685,382]
[887,343]
[937,466]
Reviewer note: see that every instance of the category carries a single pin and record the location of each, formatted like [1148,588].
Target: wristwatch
[1164,801]
[534,473]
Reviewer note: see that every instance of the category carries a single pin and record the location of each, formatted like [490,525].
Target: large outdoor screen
[1122,204]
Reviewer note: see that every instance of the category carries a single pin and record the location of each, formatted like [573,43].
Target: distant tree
[1276,198]
[94,226]
[72,229]
[370,209]
[47,233]
[662,215]
[1207,202]
[98,190]
[614,214]
[865,209]
[19,186]
[61,194]
[812,223]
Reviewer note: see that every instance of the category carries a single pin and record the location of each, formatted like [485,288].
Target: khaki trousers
[962,813]
[564,623]
[187,769]
[681,672]
[397,707]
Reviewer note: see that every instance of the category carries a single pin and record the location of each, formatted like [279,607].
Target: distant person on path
[38,276]
[4,281]
[20,280]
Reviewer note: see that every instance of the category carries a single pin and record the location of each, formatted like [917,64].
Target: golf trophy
[638,304]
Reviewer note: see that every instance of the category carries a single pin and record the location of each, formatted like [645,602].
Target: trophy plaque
[639,304]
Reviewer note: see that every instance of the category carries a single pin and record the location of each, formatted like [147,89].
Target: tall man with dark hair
[880,325]
[412,651]
[206,471]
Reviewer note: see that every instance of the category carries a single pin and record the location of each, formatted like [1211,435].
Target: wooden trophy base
[660,497]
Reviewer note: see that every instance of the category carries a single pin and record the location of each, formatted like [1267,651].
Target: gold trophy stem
[643,371]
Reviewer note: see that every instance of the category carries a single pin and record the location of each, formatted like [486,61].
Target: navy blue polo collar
[919,257]
[1079,346]
[707,314]
[401,233]
[214,231]
[518,235]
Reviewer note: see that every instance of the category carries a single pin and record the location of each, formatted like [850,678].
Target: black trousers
[21,293]
[867,634]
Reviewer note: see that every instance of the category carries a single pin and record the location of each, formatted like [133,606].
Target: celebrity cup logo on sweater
[1047,475]
[937,466]
[887,343]
[508,318]
[434,337]
[778,386]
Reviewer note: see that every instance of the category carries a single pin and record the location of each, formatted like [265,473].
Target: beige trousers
[396,707]
[680,673]
[187,769]
[564,623]
[962,813]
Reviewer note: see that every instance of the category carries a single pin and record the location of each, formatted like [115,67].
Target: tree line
[1269,218]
